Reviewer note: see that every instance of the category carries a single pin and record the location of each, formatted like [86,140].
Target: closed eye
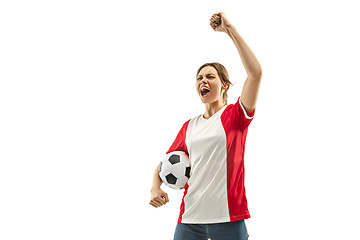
[207,77]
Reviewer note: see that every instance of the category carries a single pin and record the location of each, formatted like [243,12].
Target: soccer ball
[174,169]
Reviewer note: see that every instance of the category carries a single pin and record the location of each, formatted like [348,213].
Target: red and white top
[215,191]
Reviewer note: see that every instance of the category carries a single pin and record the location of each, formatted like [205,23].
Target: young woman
[214,203]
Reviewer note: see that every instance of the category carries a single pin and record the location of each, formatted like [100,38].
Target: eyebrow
[207,74]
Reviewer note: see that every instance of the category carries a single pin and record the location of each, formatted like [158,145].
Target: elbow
[256,75]
[259,72]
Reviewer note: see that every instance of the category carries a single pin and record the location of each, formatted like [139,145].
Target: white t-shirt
[215,191]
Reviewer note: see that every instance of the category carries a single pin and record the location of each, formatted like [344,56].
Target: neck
[212,108]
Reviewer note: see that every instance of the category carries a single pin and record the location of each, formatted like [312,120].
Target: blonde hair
[223,74]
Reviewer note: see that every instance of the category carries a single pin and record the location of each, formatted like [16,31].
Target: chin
[206,100]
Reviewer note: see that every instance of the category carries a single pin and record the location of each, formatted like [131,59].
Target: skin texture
[252,66]
[208,77]
[213,102]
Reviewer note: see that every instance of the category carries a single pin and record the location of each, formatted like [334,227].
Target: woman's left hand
[219,22]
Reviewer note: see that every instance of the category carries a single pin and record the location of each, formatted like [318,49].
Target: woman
[214,203]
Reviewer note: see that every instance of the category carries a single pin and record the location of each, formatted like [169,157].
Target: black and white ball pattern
[174,169]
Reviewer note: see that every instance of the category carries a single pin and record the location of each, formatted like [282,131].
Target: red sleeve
[241,119]
[245,117]
[179,143]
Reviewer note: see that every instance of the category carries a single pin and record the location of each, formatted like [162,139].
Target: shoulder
[186,123]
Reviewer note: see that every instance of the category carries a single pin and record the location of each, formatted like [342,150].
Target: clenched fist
[158,198]
[219,22]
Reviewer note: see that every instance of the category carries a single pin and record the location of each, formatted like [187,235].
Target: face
[209,86]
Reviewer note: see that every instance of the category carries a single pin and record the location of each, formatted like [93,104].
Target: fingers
[156,203]
[159,200]
[215,20]
[216,16]
[166,198]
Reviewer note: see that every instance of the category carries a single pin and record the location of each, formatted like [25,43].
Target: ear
[225,85]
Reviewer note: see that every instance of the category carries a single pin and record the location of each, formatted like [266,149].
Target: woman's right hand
[158,197]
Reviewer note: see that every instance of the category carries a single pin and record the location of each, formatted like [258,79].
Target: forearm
[156,179]
[251,64]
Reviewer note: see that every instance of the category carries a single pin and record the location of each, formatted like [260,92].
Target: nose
[203,80]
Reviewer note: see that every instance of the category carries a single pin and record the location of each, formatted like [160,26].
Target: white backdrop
[93,93]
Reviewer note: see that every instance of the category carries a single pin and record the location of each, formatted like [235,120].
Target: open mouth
[205,92]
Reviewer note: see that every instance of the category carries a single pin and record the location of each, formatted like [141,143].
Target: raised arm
[252,66]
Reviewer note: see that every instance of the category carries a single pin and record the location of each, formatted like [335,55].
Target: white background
[93,93]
